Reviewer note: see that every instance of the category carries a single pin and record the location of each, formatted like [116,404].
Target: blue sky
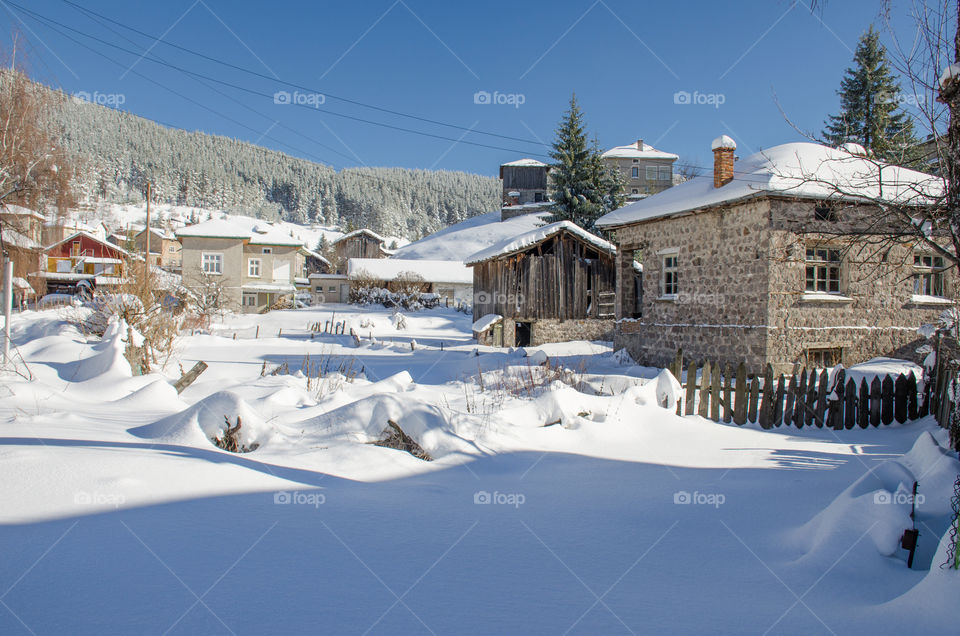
[626,60]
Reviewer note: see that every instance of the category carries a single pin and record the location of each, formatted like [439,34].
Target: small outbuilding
[552,284]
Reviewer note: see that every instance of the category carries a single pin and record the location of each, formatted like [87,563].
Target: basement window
[824,358]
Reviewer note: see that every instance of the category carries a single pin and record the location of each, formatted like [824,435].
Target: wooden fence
[807,397]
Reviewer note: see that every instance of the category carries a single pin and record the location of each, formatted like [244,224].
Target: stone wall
[742,294]
[875,313]
[720,309]
[550,330]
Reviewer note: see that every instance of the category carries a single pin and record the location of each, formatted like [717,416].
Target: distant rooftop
[638,150]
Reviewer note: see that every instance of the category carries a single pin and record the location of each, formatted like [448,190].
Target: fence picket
[727,395]
[778,403]
[704,410]
[791,395]
[821,409]
[691,387]
[863,408]
[835,402]
[886,395]
[715,393]
[766,406]
[900,399]
[798,414]
[754,398]
[740,405]
[913,408]
[875,402]
[850,404]
[810,411]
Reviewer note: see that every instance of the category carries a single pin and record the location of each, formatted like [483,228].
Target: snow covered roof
[16,239]
[18,210]
[638,150]
[476,233]
[369,233]
[487,321]
[432,271]
[116,248]
[796,170]
[315,255]
[257,234]
[527,239]
[269,288]
[529,163]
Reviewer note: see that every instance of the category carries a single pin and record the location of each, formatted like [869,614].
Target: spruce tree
[870,114]
[581,185]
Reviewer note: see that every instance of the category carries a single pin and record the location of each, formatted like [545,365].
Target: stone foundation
[551,330]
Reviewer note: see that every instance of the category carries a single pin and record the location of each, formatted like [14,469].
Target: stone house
[552,284]
[645,169]
[256,267]
[758,262]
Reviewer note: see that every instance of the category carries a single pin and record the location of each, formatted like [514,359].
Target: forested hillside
[118,153]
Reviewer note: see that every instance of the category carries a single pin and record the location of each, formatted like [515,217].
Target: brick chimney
[723,148]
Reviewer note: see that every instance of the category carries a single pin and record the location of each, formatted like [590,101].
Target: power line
[295,85]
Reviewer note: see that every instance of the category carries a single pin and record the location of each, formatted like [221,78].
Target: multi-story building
[645,169]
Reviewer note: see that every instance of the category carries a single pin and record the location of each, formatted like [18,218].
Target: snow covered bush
[413,301]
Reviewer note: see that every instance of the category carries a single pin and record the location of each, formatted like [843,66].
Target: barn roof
[522,242]
[111,246]
[369,233]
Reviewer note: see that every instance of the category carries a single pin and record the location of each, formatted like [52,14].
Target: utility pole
[7,304]
[147,230]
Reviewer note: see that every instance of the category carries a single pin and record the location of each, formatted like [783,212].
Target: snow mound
[878,504]
[107,362]
[200,423]
[439,431]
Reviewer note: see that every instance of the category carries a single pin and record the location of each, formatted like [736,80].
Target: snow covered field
[558,499]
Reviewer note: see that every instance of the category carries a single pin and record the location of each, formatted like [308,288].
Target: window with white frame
[635,173]
[253,267]
[267,250]
[665,173]
[249,300]
[212,263]
[651,173]
[928,275]
[669,275]
[823,270]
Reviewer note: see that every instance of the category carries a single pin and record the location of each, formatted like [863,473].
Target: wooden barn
[359,244]
[553,284]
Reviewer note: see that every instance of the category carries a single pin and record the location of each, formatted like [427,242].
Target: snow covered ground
[561,496]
